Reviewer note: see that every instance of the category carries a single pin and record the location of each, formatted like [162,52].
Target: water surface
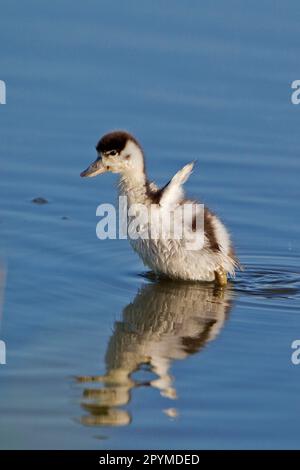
[100,354]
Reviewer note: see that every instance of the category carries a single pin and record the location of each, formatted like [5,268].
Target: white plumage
[119,152]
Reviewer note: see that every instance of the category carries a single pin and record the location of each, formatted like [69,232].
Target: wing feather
[173,192]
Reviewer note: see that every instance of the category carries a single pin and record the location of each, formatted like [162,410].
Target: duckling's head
[118,152]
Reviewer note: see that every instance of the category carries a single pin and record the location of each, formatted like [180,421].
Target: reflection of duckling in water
[166,321]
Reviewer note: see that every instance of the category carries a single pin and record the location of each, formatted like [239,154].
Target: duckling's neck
[134,186]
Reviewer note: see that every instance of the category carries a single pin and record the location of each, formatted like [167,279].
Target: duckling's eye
[113,153]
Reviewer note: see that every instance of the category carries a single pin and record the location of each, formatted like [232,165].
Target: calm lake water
[99,355]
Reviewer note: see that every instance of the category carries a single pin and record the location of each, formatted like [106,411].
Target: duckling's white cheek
[115,165]
[105,161]
[114,169]
[128,163]
[110,164]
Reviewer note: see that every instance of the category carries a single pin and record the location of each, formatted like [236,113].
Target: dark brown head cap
[115,141]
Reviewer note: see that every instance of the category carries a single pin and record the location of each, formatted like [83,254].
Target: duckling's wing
[173,192]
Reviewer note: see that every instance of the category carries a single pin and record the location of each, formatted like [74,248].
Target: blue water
[100,355]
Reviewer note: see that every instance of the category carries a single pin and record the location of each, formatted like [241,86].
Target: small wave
[269,277]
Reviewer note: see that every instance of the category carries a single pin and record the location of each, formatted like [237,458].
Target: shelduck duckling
[119,152]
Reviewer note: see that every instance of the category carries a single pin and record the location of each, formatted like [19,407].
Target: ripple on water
[276,277]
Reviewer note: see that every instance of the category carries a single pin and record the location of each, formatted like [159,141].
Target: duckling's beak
[95,168]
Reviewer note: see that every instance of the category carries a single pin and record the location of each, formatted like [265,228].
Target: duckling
[120,152]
